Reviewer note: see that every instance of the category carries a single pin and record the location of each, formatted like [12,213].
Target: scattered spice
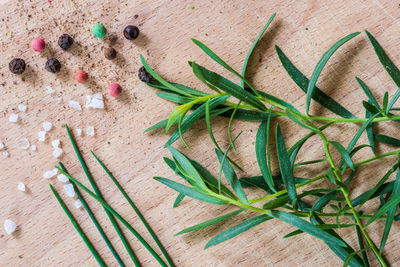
[23,143]
[22,107]
[69,189]
[74,105]
[95,101]
[9,226]
[62,178]
[81,76]
[50,174]
[42,136]
[114,89]
[53,65]
[38,44]
[13,117]
[21,186]
[90,131]
[131,32]
[99,30]
[47,126]
[144,75]
[77,204]
[110,53]
[65,41]
[17,65]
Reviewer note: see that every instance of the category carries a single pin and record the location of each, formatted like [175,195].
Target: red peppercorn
[81,76]
[38,44]
[114,89]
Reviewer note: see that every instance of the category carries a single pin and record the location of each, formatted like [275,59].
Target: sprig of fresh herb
[284,200]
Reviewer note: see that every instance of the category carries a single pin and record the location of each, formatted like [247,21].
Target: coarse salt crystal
[9,226]
[5,153]
[47,126]
[50,174]
[1,145]
[57,152]
[69,189]
[49,89]
[23,143]
[74,105]
[42,136]
[13,117]
[95,101]
[62,178]
[22,107]
[33,148]
[55,143]
[78,204]
[58,100]
[90,131]
[78,132]
[21,186]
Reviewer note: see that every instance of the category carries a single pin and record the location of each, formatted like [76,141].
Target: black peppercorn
[65,41]
[144,76]
[17,65]
[131,32]
[53,65]
[110,53]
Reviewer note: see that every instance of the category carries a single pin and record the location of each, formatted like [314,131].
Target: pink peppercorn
[81,76]
[38,44]
[114,89]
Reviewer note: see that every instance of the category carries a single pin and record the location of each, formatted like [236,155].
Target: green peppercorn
[131,32]
[99,30]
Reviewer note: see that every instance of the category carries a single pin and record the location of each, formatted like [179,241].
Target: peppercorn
[81,76]
[38,44]
[99,30]
[53,65]
[110,53]
[114,89]
[65,41]
[131,32]
[144,75]
[17,65]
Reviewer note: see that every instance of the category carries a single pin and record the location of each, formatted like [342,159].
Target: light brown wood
[303,29]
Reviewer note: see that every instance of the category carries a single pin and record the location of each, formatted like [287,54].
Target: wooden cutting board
[303,29]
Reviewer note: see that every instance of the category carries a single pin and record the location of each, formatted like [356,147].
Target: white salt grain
[13,117]
[49,89]
[78,132]
[47,126]
[95,101]
[57,152]
[23,144]
[78,204]
[5,153]
[69,189]
[58,100]
[62,178]
[74,105]
[21,186]
[42,136]
[55,143]
[9,226]
[1,145]
[22,107]
[50,174]
[90,131]
[33,148]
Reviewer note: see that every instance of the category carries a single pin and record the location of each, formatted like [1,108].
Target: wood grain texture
[303,29]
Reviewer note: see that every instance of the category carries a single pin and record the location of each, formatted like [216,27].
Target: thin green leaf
[385,102]
[276,203]
[118,216]
[231,177]
[250,52]
[323,201]
[175,97]
[178,200]
[321,64]
[248,115]
[200,76]
[393,71]
[309,162]
[196,115]
[306,227]
[391,213]
[187,168]
[178,114]
[285,165]
[362,246]
[190,192]
[373,193]
[237,230]
[323,226]
[387,140]
[370,132]
[191,91]
[78,228]
[138,213]
[210,222]
[230,125]
[371,108]
[351,256]
[393,101]
[95,222]
[231,88]
[345,155]
[277,100]
[319,96]
[261,147]
[369,94]
[294,117]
